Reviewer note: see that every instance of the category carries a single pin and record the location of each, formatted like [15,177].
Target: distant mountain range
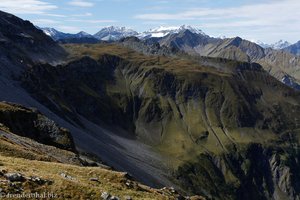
[274,58]
[115,33]
[57,35]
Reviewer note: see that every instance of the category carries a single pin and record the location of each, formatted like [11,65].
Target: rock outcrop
[32,124]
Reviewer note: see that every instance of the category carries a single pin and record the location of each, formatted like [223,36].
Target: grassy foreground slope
[73,182]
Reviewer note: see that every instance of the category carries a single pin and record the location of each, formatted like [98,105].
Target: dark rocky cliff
[32,124]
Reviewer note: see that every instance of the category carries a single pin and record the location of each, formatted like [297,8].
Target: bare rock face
[105,196]
[32,124]
[285,179]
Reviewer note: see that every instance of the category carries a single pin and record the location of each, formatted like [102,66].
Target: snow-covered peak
[117,28]
[50,31]
[163,31]
[58,35]
[222,37]
[114,33]
[55,34]
[277,45]
[280,44]
[261,43]
[192,29]
[83,34]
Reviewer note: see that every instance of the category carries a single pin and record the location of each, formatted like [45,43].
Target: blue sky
[264,20]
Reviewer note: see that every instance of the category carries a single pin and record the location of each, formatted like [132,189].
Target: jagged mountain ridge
[58,35]
[55,34]
[114,33]
[163,31]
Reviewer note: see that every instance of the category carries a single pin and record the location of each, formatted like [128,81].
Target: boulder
[105,196]
[127,198]
[14,177]
[94,179]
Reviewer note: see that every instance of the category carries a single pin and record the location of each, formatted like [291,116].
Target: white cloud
[83,15]
[256,10]
[68,29]
[95,21]
[157,23]
[26,6]
[81,3]
[53,15]
[259,14]
[44,22]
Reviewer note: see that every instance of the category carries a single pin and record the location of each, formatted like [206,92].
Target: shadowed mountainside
[207,108]
[24,41]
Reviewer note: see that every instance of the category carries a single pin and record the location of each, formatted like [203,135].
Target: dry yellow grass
[79,186]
